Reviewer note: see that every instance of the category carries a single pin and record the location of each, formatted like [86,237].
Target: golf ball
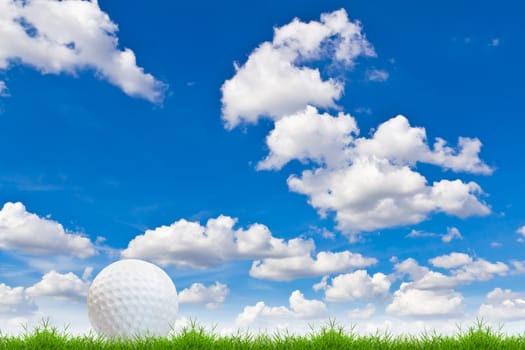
[132,298]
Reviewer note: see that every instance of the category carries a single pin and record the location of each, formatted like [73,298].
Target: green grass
[331,336]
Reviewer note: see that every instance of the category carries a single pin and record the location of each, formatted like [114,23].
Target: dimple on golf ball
[131,298]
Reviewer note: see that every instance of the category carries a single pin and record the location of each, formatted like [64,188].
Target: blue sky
[284,162]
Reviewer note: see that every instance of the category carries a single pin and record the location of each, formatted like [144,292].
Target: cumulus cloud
[370,183]
[70,36]
[377,75]
[373,193]
[276,80]
[404,144]
[300,308]
[30,234]
[463,270]
[357,285]
[503,305]
[66,286]
[409,301]
[309,135]
[189,244]
[287,269]
[521,230]
[211,296]
[451,260]
[15,301]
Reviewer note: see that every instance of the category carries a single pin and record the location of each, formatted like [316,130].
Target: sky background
[284,162]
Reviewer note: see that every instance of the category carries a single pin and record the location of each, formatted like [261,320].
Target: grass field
[332,336]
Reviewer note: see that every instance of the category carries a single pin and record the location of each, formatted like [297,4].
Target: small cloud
[419,233]
[323,232]
[494,42]
[521,230]
[495,244]
[467,40]
[321,285]
[364,110]
[452,233]
[3,89]
[377,75]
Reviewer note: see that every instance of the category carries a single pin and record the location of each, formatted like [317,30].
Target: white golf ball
[132,298]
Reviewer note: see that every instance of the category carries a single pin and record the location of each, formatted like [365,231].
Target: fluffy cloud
[373,193]
[374,186]
[399,142]
[370,183]
[61,286]
[189,244]
[464,270]
[451,260]
[409,301]
[452,233]
[275,80]
[30,234]
[357,285]
[14,301]
[69,36]
[212,296]
[521,230]
[309,135]
[503,305]
[300,308]
[286,269]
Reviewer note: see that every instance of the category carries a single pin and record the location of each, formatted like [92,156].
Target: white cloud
[451,260]
[503,305]
[417,233]
[377,75]
[464,270]
[409,301]
[357,285]
[69,36]
[521,230]
[368,182]
[66,286]
[275,80]
[362,313]
[480,270]
[287,269]
[452,233]
[309,135]
[189,244]
[30,234]
[403,144]
[300,308]
[321,285]
[14,301]
[212,296]
[373,193]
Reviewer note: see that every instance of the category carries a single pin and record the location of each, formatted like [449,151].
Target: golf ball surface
[132,298]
